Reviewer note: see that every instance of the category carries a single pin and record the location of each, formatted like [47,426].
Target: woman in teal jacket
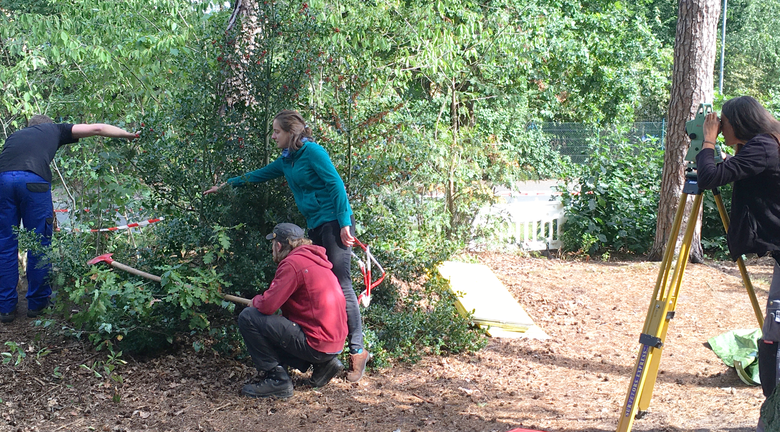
[321,197]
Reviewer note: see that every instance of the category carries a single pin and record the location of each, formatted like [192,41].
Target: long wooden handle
[143,274]
[235,299]
[136,272]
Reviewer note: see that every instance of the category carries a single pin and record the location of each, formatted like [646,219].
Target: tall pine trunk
[692,84]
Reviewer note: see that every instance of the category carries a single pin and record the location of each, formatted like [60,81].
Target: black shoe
[324,372]
[35,313]
[7,317]
[276,384]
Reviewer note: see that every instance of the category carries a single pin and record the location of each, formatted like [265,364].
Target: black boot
[323,372]
[7,317]
[276,384]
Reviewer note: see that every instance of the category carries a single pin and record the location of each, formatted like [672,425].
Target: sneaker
[324,372]
[357,365]
[276,384]
[7,317]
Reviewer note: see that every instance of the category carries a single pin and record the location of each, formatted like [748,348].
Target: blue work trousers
[26,197]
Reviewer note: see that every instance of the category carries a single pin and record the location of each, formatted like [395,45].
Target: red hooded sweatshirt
[309,294]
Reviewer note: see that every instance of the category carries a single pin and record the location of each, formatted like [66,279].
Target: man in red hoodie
[313,325]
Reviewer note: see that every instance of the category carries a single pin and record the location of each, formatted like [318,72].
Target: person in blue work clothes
[25,195]
[755,207]
[321,197]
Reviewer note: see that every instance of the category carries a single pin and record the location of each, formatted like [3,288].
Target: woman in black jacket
[755,202]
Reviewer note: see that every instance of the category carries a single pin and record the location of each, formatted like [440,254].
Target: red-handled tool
[365,268]
[106,258]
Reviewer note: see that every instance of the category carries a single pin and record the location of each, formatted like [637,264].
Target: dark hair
[748,118]
[292,122]
[39,119]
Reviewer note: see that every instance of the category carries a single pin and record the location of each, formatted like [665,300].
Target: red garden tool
[106,258]
[365,269]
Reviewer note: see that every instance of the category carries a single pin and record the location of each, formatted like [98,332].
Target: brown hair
[39,119]
[287,248]
[292,122]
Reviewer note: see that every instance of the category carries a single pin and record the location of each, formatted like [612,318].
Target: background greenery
[424,107]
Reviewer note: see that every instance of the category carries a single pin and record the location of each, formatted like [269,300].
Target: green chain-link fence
[572,139]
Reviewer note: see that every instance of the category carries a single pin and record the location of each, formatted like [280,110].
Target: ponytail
[292,122]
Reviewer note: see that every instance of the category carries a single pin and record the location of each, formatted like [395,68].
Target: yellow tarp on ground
[480,292]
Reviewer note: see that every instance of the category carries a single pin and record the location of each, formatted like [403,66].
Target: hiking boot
[35,313]
[276,384]
[357,365]
[7,317]
[324,372]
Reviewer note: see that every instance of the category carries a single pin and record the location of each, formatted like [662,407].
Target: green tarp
[739,349]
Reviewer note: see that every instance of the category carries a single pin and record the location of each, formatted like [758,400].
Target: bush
[611,199]
[421,322]
[217,243]
[104,304]
[713,236]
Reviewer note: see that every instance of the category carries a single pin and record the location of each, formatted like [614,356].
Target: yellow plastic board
[480,292]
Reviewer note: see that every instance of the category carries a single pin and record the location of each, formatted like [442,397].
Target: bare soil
[575,381]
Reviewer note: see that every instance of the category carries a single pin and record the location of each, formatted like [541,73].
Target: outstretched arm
[214,189]
[106,130]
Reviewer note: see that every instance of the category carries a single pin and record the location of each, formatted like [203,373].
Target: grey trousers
[274,340]
[771,328]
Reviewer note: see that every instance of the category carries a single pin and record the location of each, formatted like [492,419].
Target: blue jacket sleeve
[333,183]
[271,171]
[750,161]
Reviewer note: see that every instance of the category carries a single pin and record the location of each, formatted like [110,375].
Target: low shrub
[611,200]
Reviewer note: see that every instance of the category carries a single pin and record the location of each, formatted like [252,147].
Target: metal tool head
[101,258]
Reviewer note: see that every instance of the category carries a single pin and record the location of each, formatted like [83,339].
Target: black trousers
[274,340]
[328,235]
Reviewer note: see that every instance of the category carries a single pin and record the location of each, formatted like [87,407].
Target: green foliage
[752,60]
[422,322]
[107,369]
[713,235]
[107,304]
[15,354]
[536,157]
[421,105]
[610,201]
[90,58]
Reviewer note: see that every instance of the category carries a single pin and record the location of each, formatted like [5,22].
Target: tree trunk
[237,87]
[449,190]
[692,84]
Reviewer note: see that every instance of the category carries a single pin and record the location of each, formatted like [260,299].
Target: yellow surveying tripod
[662,307]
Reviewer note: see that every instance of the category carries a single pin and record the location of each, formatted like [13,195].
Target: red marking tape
[122,227]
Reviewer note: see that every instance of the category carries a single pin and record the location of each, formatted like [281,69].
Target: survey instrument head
[695,130]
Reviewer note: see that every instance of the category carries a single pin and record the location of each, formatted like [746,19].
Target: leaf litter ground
[575,381]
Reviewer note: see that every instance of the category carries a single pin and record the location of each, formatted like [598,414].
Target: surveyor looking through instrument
[755,202]
[321,197]
[25,196]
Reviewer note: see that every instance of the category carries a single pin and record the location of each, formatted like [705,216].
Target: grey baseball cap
[284,232]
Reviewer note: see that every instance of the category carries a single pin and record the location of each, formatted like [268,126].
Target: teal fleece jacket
[317,188]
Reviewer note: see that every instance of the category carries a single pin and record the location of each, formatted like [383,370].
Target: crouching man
[313,325]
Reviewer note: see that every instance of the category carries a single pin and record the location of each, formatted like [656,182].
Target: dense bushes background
[423,107]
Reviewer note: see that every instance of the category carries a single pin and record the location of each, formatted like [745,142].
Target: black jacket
[755,201]
[32,148]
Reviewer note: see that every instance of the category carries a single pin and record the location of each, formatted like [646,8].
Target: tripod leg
[656,322]
[724,217]
[671,300]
